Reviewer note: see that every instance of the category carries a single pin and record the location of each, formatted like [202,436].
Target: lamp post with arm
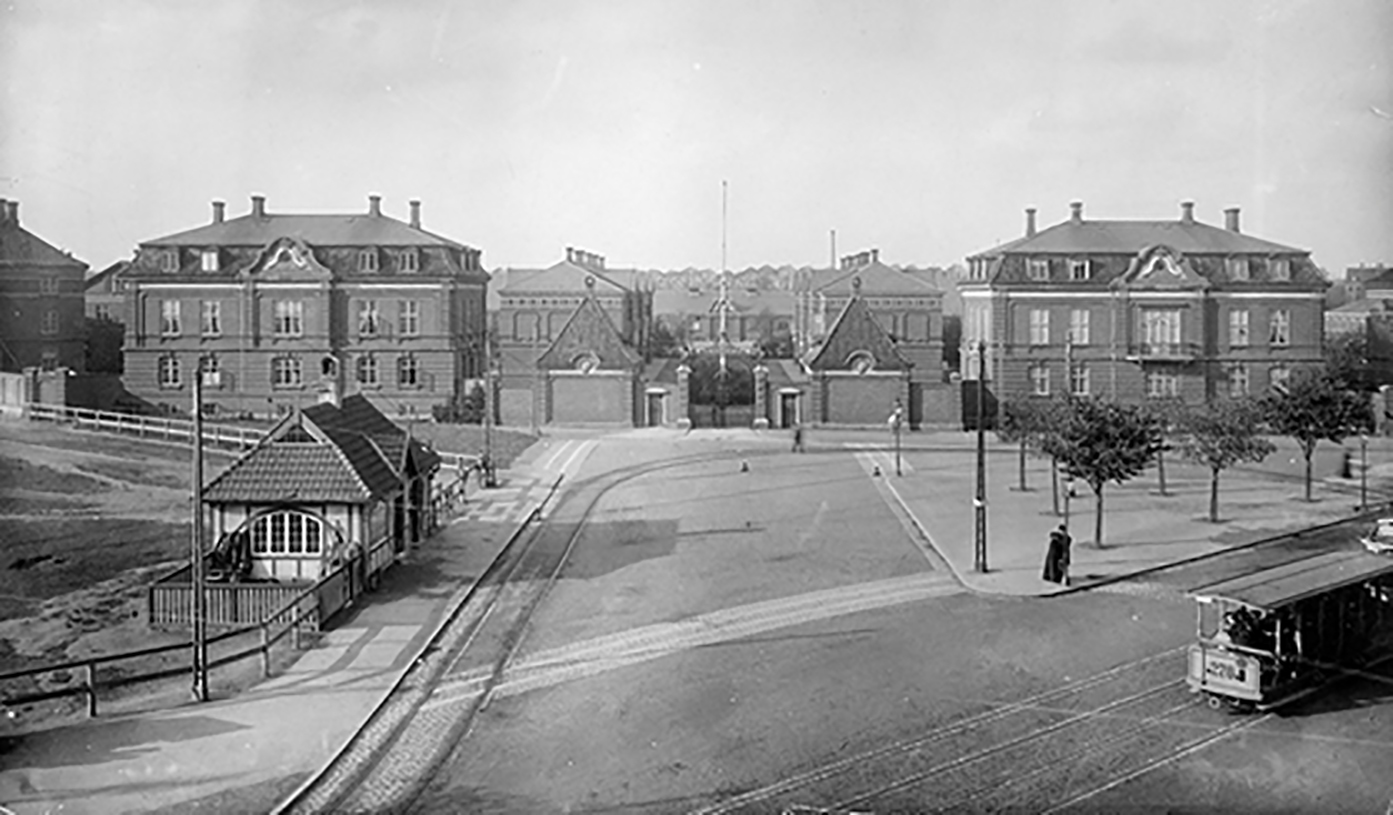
[197,607]
[980,502]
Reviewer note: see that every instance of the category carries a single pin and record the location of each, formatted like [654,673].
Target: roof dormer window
[168,260]
[1079,270]
[408,260]
[1279,269]
[367,260]
[210,260]
[1038,269]
[1237,268]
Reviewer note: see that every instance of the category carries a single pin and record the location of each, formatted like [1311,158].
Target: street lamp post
[196,608]
[896,421]
[980,503]
[1363,471]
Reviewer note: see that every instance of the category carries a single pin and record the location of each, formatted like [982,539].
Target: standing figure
[1057,557]
[798,438]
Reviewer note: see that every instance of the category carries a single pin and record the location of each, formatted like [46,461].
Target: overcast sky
[920,128]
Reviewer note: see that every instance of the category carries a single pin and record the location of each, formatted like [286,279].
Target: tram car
[1269,638]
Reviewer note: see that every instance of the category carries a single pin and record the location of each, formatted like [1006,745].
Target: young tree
[1316,407]
[1167,414]
[1021,423]
[1098,441]
[1219,435]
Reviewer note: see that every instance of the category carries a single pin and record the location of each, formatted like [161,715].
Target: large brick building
[1141,309]
[284,306]
[41,300]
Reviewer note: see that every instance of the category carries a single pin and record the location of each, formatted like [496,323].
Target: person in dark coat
[1057,557]
[798,438]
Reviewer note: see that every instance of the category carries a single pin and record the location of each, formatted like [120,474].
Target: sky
[656,132]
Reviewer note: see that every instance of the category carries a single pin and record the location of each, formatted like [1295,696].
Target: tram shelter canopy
[1283,585]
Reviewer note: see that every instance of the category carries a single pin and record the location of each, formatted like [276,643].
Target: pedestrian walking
[1057,557]
[798,438]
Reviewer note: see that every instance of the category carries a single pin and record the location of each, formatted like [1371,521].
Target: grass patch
[19,474]
[134,473]
[47,558]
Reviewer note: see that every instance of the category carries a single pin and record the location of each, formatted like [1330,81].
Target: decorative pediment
[287,259]
[1161,268]
[858,344]
[589,342]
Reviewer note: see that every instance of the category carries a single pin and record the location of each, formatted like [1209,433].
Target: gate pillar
[761,397]
[682,397]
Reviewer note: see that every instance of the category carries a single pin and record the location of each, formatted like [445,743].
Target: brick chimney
[375,206]
[1187,212]
[1076,211]
[416,214]
[1231,219]
[875,256]
[570,254]
[219,208]
[14,213]
[258,206]
[4,210]
[1030,222]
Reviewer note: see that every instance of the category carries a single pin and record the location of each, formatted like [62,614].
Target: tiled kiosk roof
[332,454]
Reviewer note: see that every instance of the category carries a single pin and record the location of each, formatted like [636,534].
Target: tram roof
[1286,584]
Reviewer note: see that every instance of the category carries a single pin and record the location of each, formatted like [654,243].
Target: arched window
[287,533]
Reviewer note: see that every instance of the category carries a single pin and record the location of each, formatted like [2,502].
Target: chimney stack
[4,210]
[1231,219]
[218,210]
[258,206]
[1076,211]
[570,255]
[1030,222]
[1187,212]
[875,256]
[375,205]
[416,214]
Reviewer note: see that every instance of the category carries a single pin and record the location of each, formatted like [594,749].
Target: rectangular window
[169,372]
[48,285]
[1040,379]
[48,360]
[211,368]
[50,322]
[1039,327]
[209,258]
[367,260]
[1279,377]
[1078,326]
[1162,383]
[408,372]
[295,533]
[1237,268]
[1161,329]
[169,318]
[278,533]
[369,319]
[408,260]
[1279,330]
[102,312]
[1278,269]
[1238,380]
[1038,268]
[409,318]
[169,260]
[1238,328]
[290,318]
[286,372]
[260,537]
[367,370]
[1079,270]
[1078,379]
[212,318]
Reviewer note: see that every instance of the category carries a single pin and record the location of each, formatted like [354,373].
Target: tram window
[1209,620]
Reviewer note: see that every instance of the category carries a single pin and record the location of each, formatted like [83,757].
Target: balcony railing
[1163,351]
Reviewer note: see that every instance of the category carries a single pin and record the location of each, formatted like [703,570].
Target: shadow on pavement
[98,743]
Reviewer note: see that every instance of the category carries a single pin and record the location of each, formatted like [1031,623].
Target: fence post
[89,671]
[265,650]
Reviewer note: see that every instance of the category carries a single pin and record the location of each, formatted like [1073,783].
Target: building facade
[278,308]
[41,300]
[1138,310]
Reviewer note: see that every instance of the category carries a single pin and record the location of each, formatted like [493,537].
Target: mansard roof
[358,229]
[1126,237]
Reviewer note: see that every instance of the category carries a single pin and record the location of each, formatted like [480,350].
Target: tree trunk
[1214,495]
[1098,522]
[1308,450]
[1023,465]
[1054,482]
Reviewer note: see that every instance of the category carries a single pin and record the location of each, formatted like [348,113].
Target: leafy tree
[1167,414]
[1347,360]
[664,341]
[1316,406]
[1099,441]
[104,340]
[1219,435]
[952,339]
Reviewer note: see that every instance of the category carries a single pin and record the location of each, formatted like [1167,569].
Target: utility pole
[979,504]
[197,612]
[488,410]
[896,423]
